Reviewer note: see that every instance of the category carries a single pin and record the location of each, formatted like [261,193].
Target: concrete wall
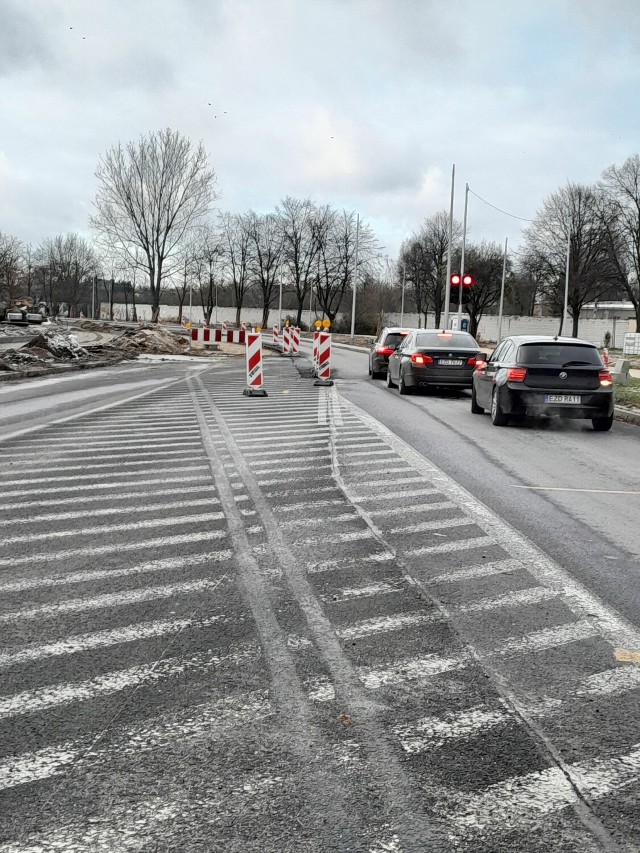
[589,329]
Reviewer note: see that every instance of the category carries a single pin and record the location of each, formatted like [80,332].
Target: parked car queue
[525,376]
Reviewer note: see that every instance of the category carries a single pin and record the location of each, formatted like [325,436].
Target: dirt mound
[57,345]
[149,339]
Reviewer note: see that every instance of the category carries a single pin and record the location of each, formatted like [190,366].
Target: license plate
[571,399]
[450,362]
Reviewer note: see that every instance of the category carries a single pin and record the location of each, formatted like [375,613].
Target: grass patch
[629,395]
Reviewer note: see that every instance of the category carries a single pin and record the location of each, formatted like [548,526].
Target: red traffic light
[467,280]
[455,280]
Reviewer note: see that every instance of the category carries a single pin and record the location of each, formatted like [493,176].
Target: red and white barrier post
[295,340]
[605,356]
[254,365]
[276,335]
[224,326]
[324,359]
[316,335]
[286,340]
[243,326]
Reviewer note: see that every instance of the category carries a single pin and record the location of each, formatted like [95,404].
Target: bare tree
[266,242]
[336,235]
[11,254]
[572,215]
[236,244]
[621,221]
[72,263]
[484,262]
[151,194]
[424,257]
[300,247]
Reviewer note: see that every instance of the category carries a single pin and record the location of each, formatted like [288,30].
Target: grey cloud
[22,38]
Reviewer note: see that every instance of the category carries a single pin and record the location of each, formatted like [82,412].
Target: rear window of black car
[446,340]
[558,355]
[394,338]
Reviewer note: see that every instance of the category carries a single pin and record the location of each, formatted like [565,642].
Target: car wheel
[475,408]
[498,417]
[403,387]
[371,372]
[390,383]
[602,424]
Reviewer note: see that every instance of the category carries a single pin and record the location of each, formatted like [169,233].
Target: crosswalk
[267,624]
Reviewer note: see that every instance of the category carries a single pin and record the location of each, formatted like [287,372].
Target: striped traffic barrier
[295,340]
[286,340]
[254,366]
[316,335]
[217,336]
[243,326]
[224,326]
[276,335]
[324,359]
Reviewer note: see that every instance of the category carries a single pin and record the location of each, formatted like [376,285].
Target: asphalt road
[324,620]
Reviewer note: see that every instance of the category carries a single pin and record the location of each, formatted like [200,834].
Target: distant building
[609,310]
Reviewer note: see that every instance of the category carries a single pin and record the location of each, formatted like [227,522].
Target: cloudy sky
[362,103]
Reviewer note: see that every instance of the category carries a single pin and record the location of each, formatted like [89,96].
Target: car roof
[406,329]
[547,339]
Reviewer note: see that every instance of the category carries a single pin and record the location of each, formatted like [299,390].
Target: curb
[629,416]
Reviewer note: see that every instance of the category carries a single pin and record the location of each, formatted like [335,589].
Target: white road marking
[517,598]
[210,718]
[161,479]
[390,495]
[121,510]
[30,481]
[547,638]
[610,681]
[285,493]
[292,446]
[334,538]
[91,551]
[199,488]
[482,570]
[445,547]
[115,463]
[416,508]
[31,701]
[424,526]
[164,565]
[267,457]
[413,669]
[350,562]
[385,624]
[110,599]
[376,484]
[283,479]
[521,802]
[311,505]
[321,690]
[316,522]
[431,732]
[103,639]
[104,529]
[590,491]
[350,593]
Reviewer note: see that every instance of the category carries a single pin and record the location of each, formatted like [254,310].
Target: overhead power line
[499,209]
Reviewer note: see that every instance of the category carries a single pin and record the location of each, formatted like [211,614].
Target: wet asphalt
[306,623]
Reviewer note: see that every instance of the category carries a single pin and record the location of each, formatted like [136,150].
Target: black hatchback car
[429,358]
[386,344]
[558,377]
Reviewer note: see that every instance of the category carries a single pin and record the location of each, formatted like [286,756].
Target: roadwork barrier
[254,366]
[324,359]
[218,336]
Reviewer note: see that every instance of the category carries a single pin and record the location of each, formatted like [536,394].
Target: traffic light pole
[464,244]
[447,287]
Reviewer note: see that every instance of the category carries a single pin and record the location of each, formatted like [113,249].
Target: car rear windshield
[394,338]
[558,354]
[446,340]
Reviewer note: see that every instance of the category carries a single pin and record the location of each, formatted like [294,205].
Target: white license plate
[450,362]
[571,399]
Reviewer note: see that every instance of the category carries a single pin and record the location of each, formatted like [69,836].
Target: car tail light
[516,374]
[606,378]
[382,350]
[480,364]
[420,358]
[473,361]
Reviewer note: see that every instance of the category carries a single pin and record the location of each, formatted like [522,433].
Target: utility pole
[447,286]
[355,281]
[504,276]
[565,310]
[404,272]
[464,244]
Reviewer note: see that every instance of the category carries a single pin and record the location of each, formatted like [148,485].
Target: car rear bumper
[439,377]
[593,404]
[379,364]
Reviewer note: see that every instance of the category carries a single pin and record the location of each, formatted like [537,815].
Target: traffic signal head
[468,280]
[455,280]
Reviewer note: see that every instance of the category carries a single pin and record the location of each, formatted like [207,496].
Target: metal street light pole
[355,281]
[404,272]
[464,244]
[565,310]
[279,302]
[447,286]
[504,276]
